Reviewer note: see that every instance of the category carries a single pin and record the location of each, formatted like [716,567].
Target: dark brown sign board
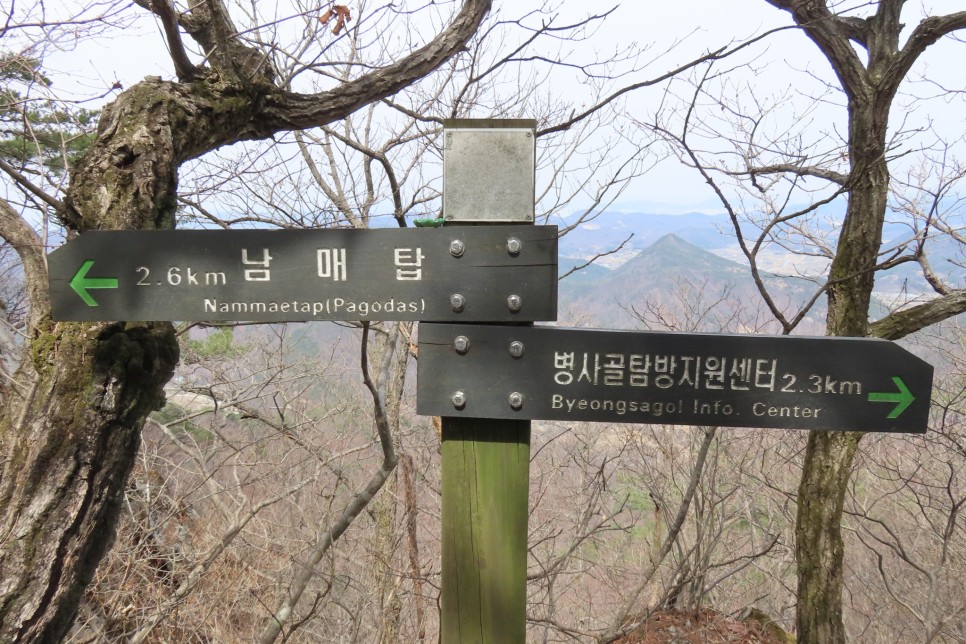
[483,273]
[784,382]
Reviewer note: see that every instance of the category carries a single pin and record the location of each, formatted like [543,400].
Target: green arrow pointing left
[903,397]
[80,283]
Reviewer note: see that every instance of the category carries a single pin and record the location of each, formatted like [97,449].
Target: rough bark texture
[69,448]
[819,548]
[69,441]
[870,87]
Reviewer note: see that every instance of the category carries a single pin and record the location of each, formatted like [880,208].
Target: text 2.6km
[177,276]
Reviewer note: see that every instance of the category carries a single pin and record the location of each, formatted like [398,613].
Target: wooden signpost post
[489,264]
[488,172]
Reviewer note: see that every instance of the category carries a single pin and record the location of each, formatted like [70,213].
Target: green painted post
[486,469]
[489,178]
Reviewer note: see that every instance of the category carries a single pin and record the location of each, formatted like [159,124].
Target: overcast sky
[129,56]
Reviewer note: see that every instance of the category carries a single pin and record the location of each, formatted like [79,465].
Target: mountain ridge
[672,275]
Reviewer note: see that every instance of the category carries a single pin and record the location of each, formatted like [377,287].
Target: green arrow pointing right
[80,283]
[903,398]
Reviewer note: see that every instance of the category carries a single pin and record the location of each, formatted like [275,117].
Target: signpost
[489,381]
[488,169]
[784,382]
[498,273]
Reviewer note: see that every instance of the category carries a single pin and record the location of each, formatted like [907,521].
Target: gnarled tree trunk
[70,438]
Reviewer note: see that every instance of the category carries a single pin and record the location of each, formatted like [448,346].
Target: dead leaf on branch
[339,14]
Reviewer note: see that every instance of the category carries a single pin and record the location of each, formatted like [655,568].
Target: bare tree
[354,125]
[769,167]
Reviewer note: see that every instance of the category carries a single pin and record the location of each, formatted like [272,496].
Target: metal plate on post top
[482,178]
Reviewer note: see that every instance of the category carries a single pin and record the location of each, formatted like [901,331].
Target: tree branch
[792,168]
[855,29]
[165,11]
[901,323]
[291,111]
[832,35]
[566,125]
[328,536]
[925,34]
[30,249]
[596,256]
[711,56]
[30,187]
[210,25]
[619,627]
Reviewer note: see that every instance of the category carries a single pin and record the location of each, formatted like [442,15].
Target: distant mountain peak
[673,253]
[673,239]
[671,276]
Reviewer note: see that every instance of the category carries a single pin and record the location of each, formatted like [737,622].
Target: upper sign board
[479,273]
[781,382]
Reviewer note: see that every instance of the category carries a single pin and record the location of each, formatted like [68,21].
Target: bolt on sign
[784,382]
[479,274]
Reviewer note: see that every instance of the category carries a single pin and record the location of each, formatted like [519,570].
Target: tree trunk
[68,450]
[819,547]
[70,433]
[70,443]
[829,456]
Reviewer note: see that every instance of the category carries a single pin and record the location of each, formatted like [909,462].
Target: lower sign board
[484,273]
[784,382]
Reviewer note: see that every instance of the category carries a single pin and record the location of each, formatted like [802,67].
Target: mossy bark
[829,456]
[827,468]
[70,444]
[69,448]
[70,439]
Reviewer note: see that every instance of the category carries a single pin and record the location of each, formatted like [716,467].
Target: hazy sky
[127,56]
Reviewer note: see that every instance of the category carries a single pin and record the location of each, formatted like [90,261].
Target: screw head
[514,246]
[516,349]
[516,400]
[461,343]
[457,302]
[457,247]
[514,303]
[458,399]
